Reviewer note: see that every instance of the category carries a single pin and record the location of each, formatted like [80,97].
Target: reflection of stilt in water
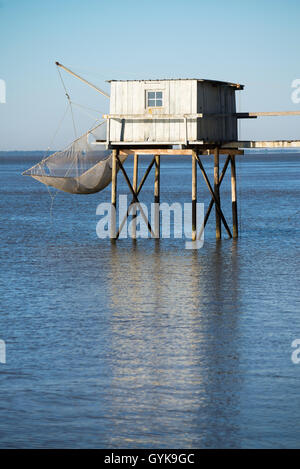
[175,345]
[234,248]
[221,349]
[138,276]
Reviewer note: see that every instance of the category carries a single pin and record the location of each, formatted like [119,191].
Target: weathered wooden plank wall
[180,97]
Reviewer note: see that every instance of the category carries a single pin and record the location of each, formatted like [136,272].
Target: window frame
[155,99]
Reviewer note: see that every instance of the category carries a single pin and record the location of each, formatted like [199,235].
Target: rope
[73,120]
[57,129]
[69,100]
[53,195]
[72,114]
[87,113]
[86,107]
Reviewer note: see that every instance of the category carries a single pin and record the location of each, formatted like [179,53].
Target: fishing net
[84,167]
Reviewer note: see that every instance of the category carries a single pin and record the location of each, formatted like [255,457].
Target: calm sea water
[146,344]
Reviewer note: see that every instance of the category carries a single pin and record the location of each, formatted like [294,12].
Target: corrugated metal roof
[215,82]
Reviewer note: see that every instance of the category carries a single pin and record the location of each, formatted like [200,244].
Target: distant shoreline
[44,153]
[26,152]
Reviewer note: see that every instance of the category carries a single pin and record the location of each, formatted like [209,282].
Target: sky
[256,43]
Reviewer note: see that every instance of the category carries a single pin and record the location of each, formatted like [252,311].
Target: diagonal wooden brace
[134,194]
[212,200]
[213,196]
[137,193]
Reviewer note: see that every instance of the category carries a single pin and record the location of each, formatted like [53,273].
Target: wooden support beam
[217,191]
[229,151]
[148,116]
[244,115]
[262,144]
[157,197]
[114,194]
[272,113]
[134,186]
[179,152]
[233,198]
[156,151]
[108,133]
[194,195]
[238,115]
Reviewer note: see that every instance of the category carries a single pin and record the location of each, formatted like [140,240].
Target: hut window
[154,98]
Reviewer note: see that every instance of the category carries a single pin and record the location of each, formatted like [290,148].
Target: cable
[69,99]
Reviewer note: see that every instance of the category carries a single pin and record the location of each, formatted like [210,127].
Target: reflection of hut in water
[168,344]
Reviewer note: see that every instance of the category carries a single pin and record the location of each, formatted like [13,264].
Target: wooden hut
[171,112]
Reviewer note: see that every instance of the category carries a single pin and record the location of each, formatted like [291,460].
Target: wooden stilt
[217,191]
[134,186]
[194,195]
[114,195]
[235,231]
[157,197]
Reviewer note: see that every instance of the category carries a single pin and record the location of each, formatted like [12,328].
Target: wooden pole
[134,186]
[217,191]
[235,231]
[114,195]
[157,197]
[82,79]
[194,195]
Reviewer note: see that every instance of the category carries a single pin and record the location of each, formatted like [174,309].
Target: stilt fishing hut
[153,116]
[188,117]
